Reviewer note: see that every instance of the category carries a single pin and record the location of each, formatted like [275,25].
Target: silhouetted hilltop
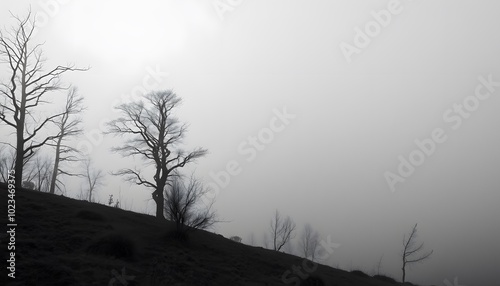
[63,241]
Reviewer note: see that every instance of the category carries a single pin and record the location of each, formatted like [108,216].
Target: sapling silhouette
[410,251]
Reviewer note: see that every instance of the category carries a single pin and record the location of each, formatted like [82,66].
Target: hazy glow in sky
[353,119]
[135,32]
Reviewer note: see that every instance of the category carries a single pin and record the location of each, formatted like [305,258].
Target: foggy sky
[351,117]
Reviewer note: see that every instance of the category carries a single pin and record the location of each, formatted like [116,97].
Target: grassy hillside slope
[62,241]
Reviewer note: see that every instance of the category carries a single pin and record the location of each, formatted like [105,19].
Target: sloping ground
[62,241]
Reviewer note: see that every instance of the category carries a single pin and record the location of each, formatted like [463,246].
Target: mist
[362,118]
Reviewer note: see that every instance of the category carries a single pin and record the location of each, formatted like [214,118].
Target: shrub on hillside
[184,206]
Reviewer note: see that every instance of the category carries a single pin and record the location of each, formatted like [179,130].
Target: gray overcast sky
[360,92]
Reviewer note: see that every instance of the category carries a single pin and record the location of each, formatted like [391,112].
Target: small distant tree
[251,240]
[38,172]
[93,178]
[281,230]
[7,160]
[183,206]
[379,264]
[411,251]
[110,200]
[309,242]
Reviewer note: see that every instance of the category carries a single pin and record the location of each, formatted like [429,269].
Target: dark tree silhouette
[182,206]
[26,89]
[154,134]
[69,125]
[281,230]
[411,251]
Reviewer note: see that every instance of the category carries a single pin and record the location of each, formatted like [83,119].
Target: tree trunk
[90,182]
[56,167]
[178,226]
[90,194]
[160,202]
[20,146]
[404,274]
[20,128]
[19,161]
[158,196]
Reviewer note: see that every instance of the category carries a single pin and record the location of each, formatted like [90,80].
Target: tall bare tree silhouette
[69,125]
[29,83]
[153,134]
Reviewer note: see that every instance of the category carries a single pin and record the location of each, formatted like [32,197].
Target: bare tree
[251,240]
[309,242]
[26,89]
[182,206]
[69,125]
[154,134]
[38,172]
[7,160]
[379,264]
[411,251]
[93,179]
[281,230]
